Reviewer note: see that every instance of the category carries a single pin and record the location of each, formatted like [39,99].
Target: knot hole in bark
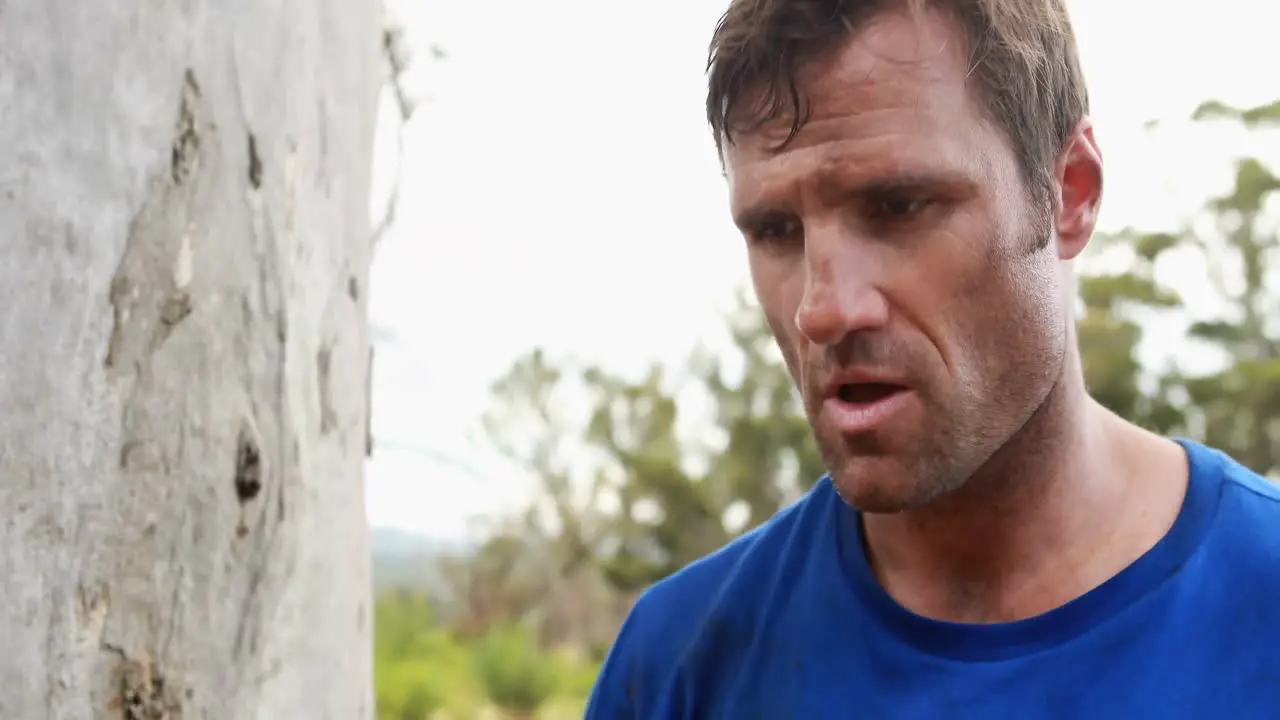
[255,163]
[248,479]
[186,137]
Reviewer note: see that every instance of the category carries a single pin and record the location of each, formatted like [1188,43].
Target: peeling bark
[183,382]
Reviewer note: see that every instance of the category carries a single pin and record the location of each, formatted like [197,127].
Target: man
[913,180]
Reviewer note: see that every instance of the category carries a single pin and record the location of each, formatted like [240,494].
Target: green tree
[1238,407]
[671,494]
[501,582]
[413,657]
[770,457]
[516,675]
[1110,330]
[676,494]
[530,425]
[1234,238]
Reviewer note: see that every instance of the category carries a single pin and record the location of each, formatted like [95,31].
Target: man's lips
[860,386]
[859,402]
[866,393]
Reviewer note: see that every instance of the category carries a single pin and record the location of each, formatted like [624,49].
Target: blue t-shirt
[789,622]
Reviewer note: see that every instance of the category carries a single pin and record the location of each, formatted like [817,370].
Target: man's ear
[1078,177]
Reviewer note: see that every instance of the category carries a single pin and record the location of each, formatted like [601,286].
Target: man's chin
[882,485]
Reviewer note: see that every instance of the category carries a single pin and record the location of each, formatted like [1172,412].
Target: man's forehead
[897,58]
[872,115]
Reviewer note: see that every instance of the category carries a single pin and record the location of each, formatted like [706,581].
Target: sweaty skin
[897,236]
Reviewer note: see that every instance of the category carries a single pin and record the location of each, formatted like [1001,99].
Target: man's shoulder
[726,588]
[1224,605]
[684,597]
[1254,489]
[742,572]
[1247,526]
[1232,569]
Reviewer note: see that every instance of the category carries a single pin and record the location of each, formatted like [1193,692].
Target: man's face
[913,285]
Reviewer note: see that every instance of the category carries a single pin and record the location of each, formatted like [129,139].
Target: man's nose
[841,295]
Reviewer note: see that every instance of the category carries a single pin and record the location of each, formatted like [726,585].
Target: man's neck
[1052,515]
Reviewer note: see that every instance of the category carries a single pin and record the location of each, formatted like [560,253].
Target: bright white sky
[560,190]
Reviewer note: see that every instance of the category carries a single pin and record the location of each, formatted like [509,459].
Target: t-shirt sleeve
[641,676]
[617,689]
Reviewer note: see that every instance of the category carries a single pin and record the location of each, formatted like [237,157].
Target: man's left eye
[900,207]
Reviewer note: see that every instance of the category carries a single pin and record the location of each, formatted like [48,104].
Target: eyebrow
[753,218]
[837,192]
[896,184]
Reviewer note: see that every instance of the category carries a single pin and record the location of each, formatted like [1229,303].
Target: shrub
[408,689]
[515,674]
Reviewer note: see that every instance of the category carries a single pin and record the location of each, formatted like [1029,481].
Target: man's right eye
[775,231]
[899,207]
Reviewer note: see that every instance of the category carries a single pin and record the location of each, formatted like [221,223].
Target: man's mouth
[867,393]
[860,407]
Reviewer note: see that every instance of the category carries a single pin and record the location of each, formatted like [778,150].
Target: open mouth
[867,393]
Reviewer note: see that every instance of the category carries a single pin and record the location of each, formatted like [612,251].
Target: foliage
[407,690]
[673,497]
[412,658]
[577,675]
[1235,241]
[423,669]
[515,673]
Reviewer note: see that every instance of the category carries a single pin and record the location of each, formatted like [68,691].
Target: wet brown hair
[1022,53]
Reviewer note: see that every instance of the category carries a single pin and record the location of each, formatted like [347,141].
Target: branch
[397,56]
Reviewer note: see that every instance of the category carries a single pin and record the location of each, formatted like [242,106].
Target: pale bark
[184,249]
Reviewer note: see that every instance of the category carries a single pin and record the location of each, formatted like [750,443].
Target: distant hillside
[407,560]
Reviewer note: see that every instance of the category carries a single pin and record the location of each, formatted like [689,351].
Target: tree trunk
[184,252]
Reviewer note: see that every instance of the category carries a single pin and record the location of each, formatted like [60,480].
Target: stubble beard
[873,478]
[958,456]
[955,444]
